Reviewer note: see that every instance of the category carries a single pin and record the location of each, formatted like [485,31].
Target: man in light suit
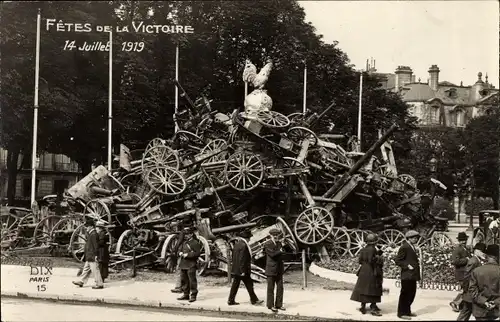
[407,260]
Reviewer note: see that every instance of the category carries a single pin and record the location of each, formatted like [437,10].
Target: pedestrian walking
[407,260]
[103,249]
[459,258]
[241,270]
[368,287]
[274,271]
[91,249]
[484,287]
[186,222]
[190,251]
[476,260]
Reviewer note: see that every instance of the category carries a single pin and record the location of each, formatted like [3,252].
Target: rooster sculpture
[257,80]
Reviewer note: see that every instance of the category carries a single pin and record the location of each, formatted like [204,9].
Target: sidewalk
[301,304]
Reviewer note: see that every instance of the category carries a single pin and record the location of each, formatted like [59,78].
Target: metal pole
[110,100]
[360,104]
[176,89]
[35,109]
[246,91]
[304,269]
[305,89]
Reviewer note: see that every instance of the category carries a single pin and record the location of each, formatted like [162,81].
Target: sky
[461,37]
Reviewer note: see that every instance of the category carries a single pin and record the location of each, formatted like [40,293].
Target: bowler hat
[275,232]
[371,239]
[411,233]
[462,236]
[480,246]
[246,234]
[493,250]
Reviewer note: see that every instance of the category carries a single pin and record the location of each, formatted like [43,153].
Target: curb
[158,305]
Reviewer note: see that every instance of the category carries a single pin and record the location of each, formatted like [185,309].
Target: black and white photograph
[250,160]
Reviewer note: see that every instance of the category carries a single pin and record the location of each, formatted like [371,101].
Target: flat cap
[275,232]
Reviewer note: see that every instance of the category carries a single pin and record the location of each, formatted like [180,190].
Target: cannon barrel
[192,106]
[314,118]
[368,154]
[233,228]
[100,191]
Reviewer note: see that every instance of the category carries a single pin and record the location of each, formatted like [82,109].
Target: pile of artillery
[254,170]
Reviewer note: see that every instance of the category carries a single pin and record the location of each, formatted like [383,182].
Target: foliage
[444,207]
[478,204]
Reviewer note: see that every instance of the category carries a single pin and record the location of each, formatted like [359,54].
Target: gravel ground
[293,278]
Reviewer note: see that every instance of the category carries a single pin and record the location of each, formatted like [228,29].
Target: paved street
[15,309]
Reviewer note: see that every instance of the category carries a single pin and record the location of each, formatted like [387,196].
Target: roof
[491,97]
[417,92]
[386,77]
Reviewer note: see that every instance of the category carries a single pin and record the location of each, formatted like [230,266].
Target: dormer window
[452,93]
[484,92]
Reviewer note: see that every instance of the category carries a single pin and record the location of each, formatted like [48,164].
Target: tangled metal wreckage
[257,170]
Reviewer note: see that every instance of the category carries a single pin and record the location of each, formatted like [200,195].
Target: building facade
[55,173]
[437,103]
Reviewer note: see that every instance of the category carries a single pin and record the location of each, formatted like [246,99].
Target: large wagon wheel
[66,226]
[313,225]
[160,156]
[42,232]
[9,228]
[288,235]
[97,209]
[167,181]
[338,243]
[296,118]
[408,180]
[272,119]
[298,134]
[211,147]
[168,252]
[78,240]
[440,240]
[244,171]
[156,142]
[358,240]
[391,238]
[204,258]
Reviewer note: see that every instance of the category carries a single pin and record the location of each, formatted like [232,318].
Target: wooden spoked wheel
[64,228]
[42,232]
[160,156]
[338,243]
[134,183]
[408,180]
[190,139]
[204,258]
[97,209]
[168,253]
[439,240]
[288,236]
[212,147]
[299,134]
[78,240]
[167,181]
[391,238]
[156,142]
[9,229]
[295,117]
[272,119]
[313,225]
[358,240]
[244,171]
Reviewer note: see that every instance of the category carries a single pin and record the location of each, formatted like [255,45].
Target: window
[59,186]
[26,189]
[434,115]
[452,93]
[61,162]
[459,118]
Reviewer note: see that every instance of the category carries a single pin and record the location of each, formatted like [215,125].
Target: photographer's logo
[40,274]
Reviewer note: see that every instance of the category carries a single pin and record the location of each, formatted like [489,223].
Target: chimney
[413,78]
[434,77]
[403,76]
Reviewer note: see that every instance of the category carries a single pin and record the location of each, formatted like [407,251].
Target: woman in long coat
[103,251]
[368,287]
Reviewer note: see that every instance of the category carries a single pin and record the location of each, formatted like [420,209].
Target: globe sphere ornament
[257,101]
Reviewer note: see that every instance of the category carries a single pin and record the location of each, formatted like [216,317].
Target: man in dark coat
[459,258]
[189,253]
[368,287]
[91,252]
[475,261]
[407,259]
[241,270]
[186,222]
[274,271]
[103,249]
[484,287]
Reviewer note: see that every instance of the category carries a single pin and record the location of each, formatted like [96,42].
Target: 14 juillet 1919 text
[71,45]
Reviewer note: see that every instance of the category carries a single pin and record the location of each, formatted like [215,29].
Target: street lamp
[433,165]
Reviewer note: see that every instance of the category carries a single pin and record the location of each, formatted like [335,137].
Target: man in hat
[189,253]
[103,249]
[407,260]
[484,287]
[241,269]
[475,261]
[91,249]
[459,258]
[274,271]
[185,222]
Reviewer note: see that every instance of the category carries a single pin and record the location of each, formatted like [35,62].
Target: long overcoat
[241,259]
[370,274]
[459,260]
[484,286]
